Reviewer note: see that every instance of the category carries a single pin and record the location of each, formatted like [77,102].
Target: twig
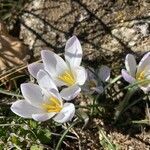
[10,93]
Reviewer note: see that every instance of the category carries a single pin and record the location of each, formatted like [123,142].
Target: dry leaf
[12,51]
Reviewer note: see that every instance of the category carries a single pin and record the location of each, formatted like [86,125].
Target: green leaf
[1,146]
[36,147]
[105,142]
[33,124]
[44,135]
[15,140]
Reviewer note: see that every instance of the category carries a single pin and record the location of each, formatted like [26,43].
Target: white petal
[24,109]
[148,76]
[145,61]
[130,64]
[104,73]
[85,88]
[147,70]
[32,93]
[90,74]
[53,93]
[66,114]
[145,89]
[127,76]
[58,82]
[53,63]
[34,68]
[81,75]
[45,81]
[70,93]
[43,117]
[90,78]
[98,89]
[73,52]
[56,94]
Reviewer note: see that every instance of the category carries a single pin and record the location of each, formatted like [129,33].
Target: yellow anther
[140,76]
[53,105]
[67,77]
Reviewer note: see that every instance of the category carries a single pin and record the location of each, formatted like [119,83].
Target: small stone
[115,31]
[132,43]
[144,29]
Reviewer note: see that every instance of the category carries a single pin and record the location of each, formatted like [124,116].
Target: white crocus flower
[138,73]
[41,104]
[68,73]
[96,79]
[104,73]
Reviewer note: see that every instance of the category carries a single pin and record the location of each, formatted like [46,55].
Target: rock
[144,29]
[104,28]
[132,43]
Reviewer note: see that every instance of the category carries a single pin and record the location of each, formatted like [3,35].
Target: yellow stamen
[67,77]
[140,76]
[54,105]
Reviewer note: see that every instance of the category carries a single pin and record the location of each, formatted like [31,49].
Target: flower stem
[123,104]
[64,134]
[113,81]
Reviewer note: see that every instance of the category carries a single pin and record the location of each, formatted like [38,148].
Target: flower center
[67,77]
[53,106]
[91,84]
[140,76]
